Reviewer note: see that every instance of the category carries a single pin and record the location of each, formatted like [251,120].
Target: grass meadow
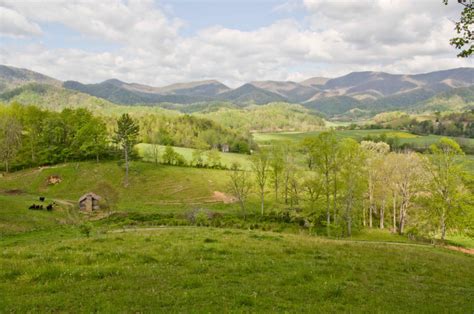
[137,261]
[219,270]
[404,137]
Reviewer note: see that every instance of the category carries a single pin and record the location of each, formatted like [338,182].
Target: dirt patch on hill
[460,249]
[14,192]
[224,198]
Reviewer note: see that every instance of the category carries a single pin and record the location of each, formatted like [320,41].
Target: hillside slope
[12,77]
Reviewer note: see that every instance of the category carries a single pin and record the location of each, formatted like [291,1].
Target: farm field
[227,159]
[404,137]
[213,270]
[127,263]
[151,186]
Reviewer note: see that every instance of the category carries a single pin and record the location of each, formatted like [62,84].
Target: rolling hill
[11,77]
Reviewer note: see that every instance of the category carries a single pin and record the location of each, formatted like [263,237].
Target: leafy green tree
[10,139]
[198,159]
[323,154]
[353,179]
[277,165]
[464,29]
[213,158]
[447,188]
[92,138]
[375,154]
[126,136]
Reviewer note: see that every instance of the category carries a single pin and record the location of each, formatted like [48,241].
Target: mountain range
[371,91]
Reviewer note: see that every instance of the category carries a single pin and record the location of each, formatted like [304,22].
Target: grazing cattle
[49,207]
[41,198]
[32,207]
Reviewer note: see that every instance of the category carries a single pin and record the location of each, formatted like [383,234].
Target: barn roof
[93,195]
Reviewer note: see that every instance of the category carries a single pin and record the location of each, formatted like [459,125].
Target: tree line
[30,136]
[342,185]
[456,124]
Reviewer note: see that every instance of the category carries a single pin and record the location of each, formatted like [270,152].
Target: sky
[160,42]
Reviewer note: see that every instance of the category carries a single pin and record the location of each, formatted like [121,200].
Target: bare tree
[240,186]
[260,166]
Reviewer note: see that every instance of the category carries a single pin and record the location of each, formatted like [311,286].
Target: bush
[85,229]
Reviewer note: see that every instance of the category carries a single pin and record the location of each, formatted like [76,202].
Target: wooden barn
[89,202]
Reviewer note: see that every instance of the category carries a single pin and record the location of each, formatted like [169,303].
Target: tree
[323,156]
[464,29]
[446,175]
[276,167]
[154,149]
[240,186]
[375,152]
[313,186]
[10,139]
[260,166]
[409,179]
[213,158]
[91,138]
[126,137]
[198,160]
[352,176]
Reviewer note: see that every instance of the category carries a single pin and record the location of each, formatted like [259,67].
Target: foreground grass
[216,270]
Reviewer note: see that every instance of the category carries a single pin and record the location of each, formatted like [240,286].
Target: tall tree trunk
[394,215]
[364,218]
[261,200]
[335,198]
[328,214]
[242,206]
[126,166]
[382,213]
[276,187]
[443,226]
[370,215]
[6,166]
[349,215]
[402,218]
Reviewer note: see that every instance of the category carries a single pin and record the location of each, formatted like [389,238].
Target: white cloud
[16,25]
[335,38]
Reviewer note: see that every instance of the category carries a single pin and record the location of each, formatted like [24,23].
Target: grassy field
[216,270]
[404,137]
[227,159]
[151,186]
[129,264]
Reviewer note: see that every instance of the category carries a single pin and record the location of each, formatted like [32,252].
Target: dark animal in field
[41,198]
[36,207]
[49,207]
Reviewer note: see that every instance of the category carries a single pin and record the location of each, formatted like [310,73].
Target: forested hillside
[366,93]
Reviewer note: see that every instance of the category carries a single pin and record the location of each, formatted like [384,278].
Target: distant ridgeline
[349,97]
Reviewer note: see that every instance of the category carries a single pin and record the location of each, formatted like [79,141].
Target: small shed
[89,202]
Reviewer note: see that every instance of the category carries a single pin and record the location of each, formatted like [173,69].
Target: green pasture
[404,137]
[218,270]
[227,159]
